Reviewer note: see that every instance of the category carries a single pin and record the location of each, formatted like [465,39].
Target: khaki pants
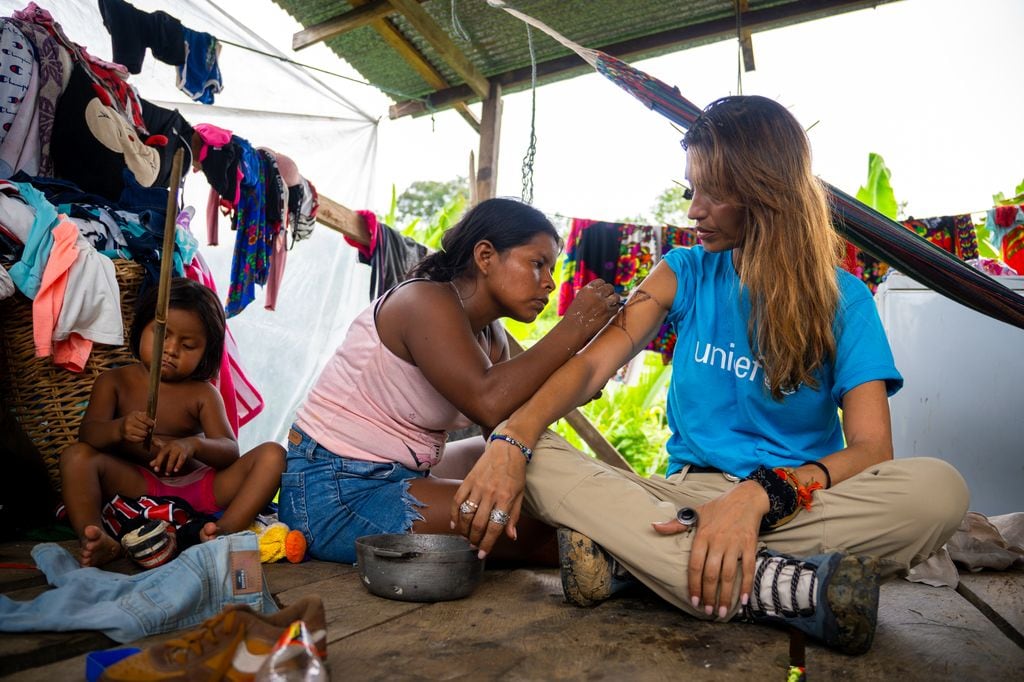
[899,511]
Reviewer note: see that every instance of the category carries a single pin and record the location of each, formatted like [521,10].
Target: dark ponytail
[505,223]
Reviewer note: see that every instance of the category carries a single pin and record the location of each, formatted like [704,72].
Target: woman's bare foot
[209,532]
[98,548]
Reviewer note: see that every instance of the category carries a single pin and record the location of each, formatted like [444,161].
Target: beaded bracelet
[782,497]
[527,452]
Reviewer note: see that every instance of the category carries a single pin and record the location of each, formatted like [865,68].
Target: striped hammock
[861,225]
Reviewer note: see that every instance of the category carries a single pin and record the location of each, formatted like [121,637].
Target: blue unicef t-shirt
[720,411]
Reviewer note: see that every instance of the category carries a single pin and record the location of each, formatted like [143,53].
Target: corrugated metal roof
[497,42]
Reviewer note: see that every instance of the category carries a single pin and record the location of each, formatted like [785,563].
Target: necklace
[458,294]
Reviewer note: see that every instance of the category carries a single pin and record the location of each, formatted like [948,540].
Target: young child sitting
[193,454]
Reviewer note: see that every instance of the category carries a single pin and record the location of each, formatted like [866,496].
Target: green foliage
[429,232]
[985,241]
[671,207]
[987,247]
[425,199]
[1017,198]
[632,417]
[878,192]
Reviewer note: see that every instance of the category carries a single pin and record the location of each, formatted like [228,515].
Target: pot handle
[393,554]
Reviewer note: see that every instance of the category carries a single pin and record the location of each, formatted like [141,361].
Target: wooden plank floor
[516,627]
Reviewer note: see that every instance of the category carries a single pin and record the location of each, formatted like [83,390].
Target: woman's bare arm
[437,334]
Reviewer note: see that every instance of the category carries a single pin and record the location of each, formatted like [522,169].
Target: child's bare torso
[178,406]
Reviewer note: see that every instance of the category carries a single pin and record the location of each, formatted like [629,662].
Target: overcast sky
[931,85]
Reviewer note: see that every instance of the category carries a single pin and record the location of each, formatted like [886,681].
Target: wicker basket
[46,401]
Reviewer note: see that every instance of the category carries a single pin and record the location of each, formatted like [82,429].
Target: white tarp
[315,119]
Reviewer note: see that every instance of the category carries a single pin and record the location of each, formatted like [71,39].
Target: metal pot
[411,567]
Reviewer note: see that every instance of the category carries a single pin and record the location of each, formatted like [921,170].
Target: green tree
[670,207]
[424,199]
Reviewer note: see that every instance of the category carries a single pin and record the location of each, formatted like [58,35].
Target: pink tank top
[370,404]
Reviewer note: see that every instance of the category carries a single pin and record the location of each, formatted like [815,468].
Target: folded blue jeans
[182,593]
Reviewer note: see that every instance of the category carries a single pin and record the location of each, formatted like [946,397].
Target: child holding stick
[193,454]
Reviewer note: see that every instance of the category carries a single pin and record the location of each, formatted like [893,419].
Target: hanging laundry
[220,160]
[390,254]
[303,204]
[991,266]
[955,234]
[111,79]
[16,66]
[253,240]
[199,76]
[591,252]
[117,135]
[277,219]
[132,31]
[52,68]
[242,401]
[170,124]
[1007,225]
[672,237]
[622,254]
[92,143]
[639,252]
[20,147]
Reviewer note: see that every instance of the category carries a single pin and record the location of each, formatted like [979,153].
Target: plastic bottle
[293,659]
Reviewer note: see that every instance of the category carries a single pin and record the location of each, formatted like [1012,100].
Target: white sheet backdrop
[323,124]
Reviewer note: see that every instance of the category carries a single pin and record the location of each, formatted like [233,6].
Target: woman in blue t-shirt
[773,508]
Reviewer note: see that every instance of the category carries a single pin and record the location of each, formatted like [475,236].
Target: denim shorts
[333,499]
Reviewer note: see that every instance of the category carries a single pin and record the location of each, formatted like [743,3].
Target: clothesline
[289,60]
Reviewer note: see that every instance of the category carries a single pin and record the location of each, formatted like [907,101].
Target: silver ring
[688,517]
[468,507]
[499,517]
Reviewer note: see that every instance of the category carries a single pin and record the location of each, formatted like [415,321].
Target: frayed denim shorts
[333,499]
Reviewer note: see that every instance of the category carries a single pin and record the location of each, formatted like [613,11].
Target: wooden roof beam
[443,44]
[364,13]
[400,44]
[696,34]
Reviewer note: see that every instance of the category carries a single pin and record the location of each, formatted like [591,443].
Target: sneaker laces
[194,642]
[803,582]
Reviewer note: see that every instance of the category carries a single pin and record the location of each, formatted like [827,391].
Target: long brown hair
[751,152]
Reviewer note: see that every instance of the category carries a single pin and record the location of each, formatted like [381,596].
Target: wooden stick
[164,290]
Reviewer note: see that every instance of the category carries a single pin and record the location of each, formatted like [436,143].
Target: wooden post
[490,137]
[472,180]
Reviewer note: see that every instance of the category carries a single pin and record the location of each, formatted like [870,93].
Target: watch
[688,517]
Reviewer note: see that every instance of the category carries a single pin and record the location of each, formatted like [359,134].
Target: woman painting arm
[498,479]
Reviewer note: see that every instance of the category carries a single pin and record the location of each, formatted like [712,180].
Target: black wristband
[782,497]
[824,469]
